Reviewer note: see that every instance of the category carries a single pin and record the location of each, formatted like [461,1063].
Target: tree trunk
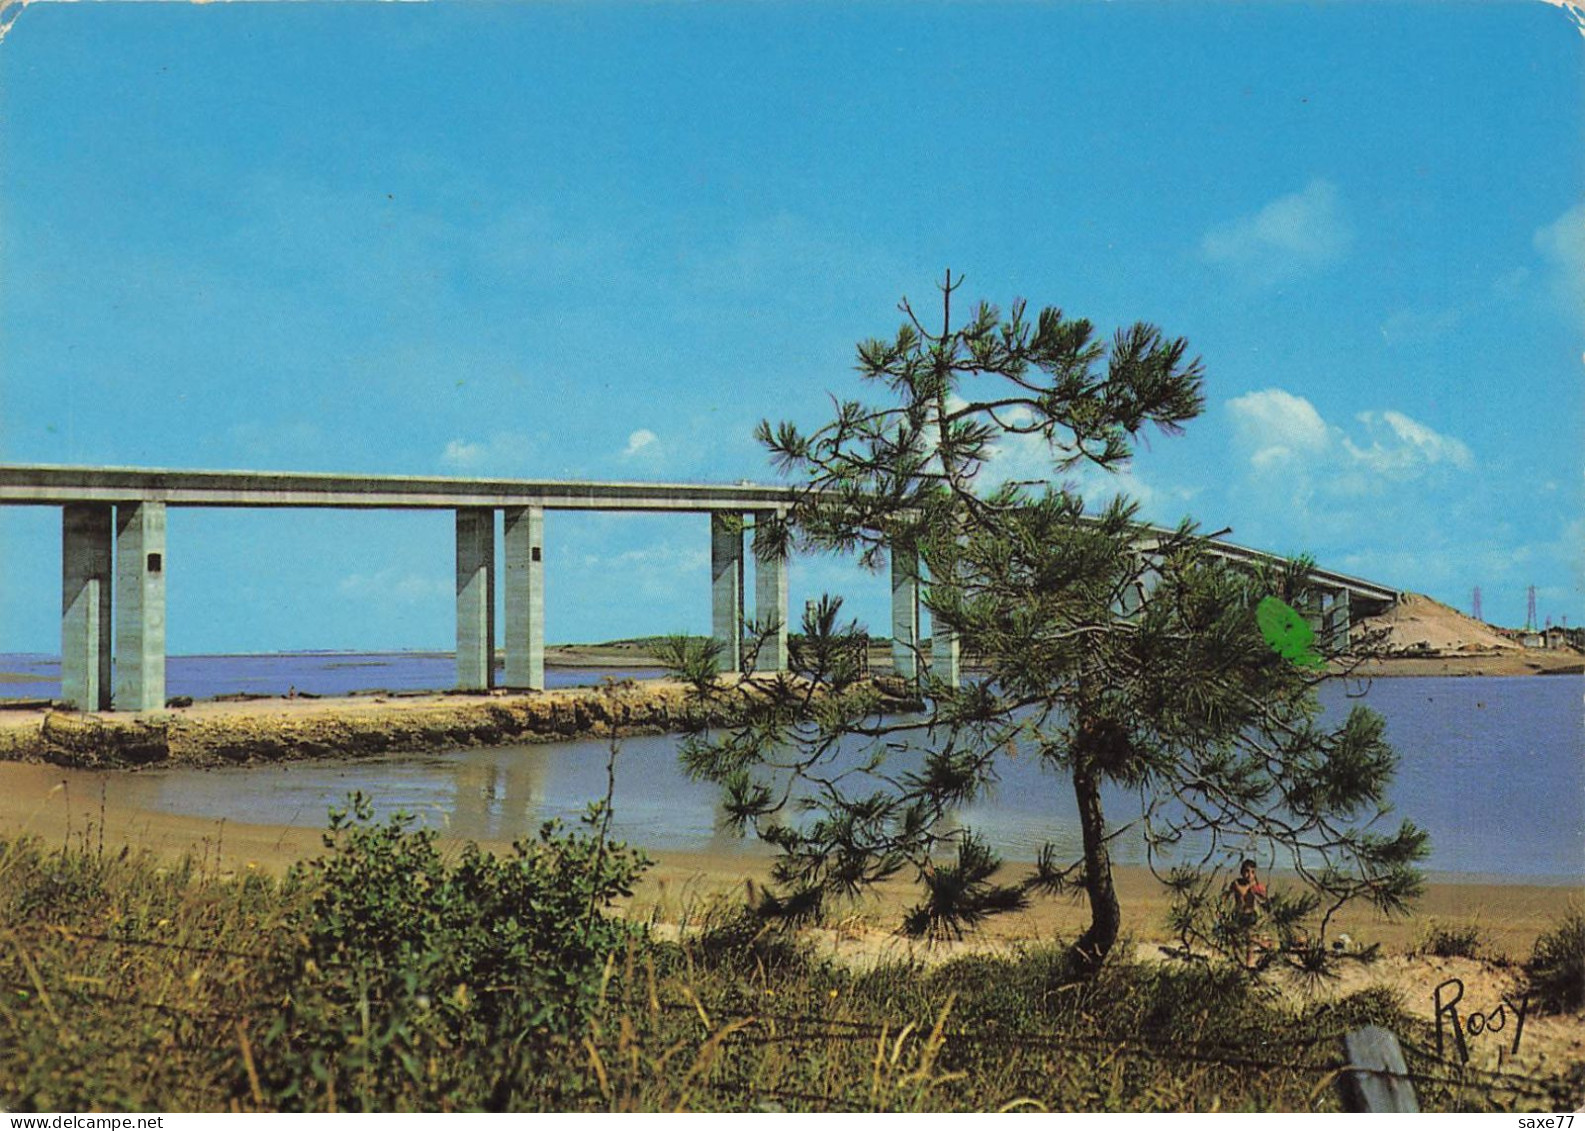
[1105,915]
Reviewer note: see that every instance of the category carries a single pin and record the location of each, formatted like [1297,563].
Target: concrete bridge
[113,565]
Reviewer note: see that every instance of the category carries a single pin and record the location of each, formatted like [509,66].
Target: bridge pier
[726,587]
[86,605]
[945,661]
[945,653]
[905,611]
[770,599]
[140,606]
[1138,591]
[113,543]
[475,598]
[1335,621]
[525,597]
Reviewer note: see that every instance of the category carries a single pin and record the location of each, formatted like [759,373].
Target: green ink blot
[1288,633]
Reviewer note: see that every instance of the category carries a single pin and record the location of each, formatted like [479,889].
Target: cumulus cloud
[1278,426]
[1291,236]
[1398,445]
[642,440]
[1370,494]
[1282,432]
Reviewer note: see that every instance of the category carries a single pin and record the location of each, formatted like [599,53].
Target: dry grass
[128,984]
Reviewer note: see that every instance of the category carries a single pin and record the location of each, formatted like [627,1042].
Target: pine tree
[1113,651]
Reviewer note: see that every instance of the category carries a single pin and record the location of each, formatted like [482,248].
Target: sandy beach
[681,889]
[64,807]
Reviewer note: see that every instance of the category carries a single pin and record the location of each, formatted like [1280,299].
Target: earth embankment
[266,730]
[1421,636]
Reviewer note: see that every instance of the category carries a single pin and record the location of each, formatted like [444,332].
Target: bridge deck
[50,485]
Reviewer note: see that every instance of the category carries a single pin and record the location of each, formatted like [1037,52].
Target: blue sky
[602,241]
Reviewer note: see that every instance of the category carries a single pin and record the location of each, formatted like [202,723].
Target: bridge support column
[945,662]
[525,597]
[140,606]
[1336,621]
[905,611]
[475,598]
[85,605]
[726,588]
[770,600]
[1138,591]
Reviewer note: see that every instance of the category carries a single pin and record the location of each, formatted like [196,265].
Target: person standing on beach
[1247,894]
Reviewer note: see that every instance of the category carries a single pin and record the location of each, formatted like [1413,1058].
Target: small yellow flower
[832,994]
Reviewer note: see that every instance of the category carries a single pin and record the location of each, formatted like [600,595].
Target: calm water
[321,673]
[1493,767]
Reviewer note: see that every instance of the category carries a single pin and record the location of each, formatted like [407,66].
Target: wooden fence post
[1375,1077]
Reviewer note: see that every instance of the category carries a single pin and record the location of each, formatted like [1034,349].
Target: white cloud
[1290,236]
[503,451]
[641,441]
[1098,486]
[1377,495]
[1312,480]
[392,586]
[1278,426]
[665,557]
[1029,458]
[1409,446]
[460,453]
[1282,431]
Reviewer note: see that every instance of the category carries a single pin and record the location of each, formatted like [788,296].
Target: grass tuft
[389,977]
[1556,969]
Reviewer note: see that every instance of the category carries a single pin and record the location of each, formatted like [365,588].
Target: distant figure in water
[291,692]
[1247,894]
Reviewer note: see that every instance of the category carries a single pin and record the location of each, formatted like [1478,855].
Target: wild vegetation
[1556,968]
[389,976]
[1113,653]
[1452,940]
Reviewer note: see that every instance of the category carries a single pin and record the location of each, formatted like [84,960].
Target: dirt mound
[1417,625]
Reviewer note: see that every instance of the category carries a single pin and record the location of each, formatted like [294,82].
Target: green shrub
[1443,940]
[411,981]
[1557,966]
[741,939]
[66,888]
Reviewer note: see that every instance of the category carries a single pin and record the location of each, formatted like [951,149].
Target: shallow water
[1493,767]
[36,676]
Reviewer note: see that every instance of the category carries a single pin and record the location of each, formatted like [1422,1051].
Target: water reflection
[1494,768]
[498,794]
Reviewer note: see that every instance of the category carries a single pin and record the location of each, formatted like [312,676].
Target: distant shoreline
[637,655]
